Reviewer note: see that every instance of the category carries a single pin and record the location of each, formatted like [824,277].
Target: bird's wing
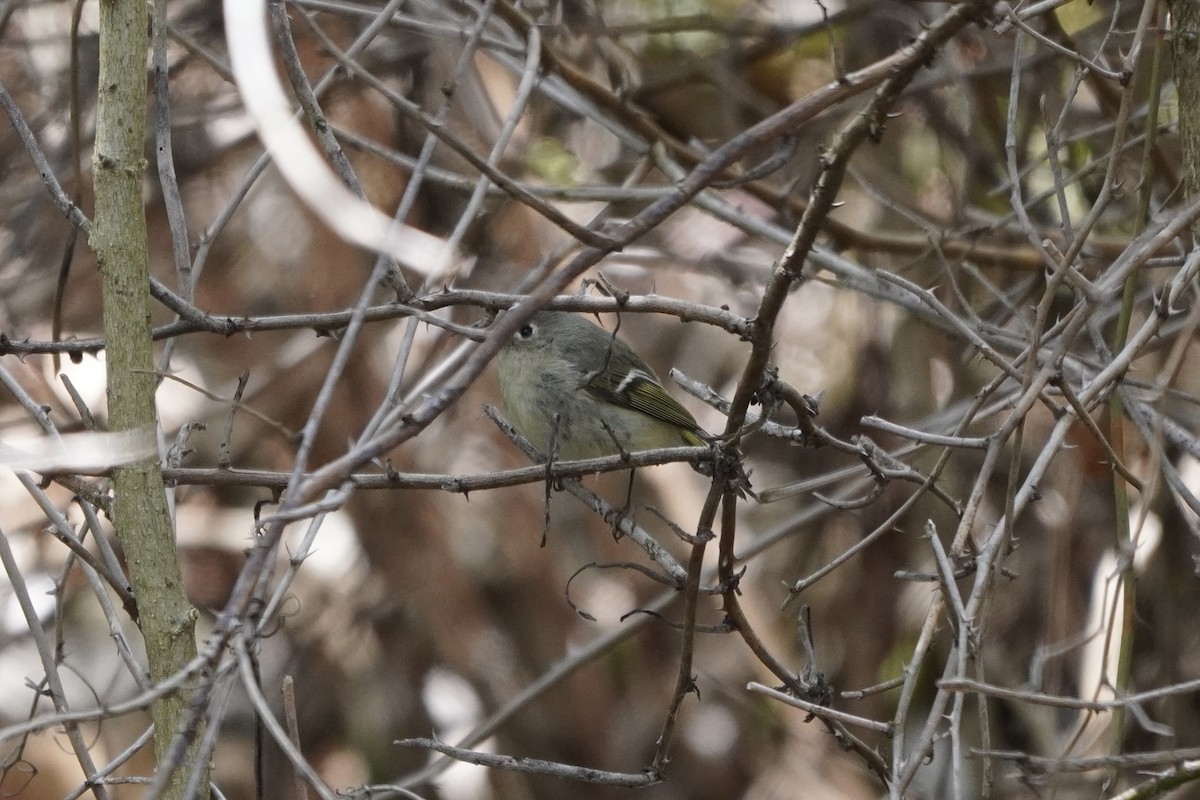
[640,391]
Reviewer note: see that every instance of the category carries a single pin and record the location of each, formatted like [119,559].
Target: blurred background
[422,612]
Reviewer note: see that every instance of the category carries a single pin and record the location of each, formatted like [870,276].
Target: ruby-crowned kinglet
[561,370]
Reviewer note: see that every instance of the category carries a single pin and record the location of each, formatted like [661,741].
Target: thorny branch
[933,244]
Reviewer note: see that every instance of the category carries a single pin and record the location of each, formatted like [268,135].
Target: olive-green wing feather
[638,390]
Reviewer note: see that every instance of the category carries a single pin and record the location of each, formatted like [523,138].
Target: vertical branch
[119,239]
[1126,538]
[1185,16]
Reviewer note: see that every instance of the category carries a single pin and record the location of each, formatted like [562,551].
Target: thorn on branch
[699,537]
[729,584]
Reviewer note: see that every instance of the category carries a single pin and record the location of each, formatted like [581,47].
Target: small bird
[568,382]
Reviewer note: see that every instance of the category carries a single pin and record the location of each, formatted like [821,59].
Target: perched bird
[569,382]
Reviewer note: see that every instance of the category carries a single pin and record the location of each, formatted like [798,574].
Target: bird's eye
[526,331]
